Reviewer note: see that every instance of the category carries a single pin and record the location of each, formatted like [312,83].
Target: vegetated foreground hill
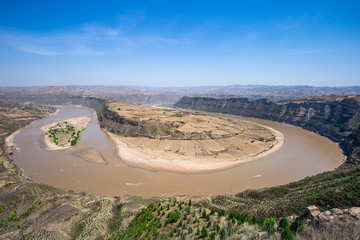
[335,117]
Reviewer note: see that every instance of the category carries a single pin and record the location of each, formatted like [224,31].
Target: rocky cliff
[335,117]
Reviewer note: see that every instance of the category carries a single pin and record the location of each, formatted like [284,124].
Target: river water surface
[303,154]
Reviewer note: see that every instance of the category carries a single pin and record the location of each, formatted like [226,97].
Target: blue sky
[179,43]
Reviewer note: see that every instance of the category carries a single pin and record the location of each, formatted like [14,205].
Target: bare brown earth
[90,155]
[191,142]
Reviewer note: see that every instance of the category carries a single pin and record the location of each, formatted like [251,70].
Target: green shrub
[349,196]
[204,232]
[174,216]
[283,223]
[222,234]
[269,224]
[204,214]
[297,226]
[287,234]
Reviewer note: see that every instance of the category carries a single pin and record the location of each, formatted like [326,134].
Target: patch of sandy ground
[192,156]
[91,155]
[9,141]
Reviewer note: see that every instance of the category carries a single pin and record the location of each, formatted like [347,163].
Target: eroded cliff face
[335,117]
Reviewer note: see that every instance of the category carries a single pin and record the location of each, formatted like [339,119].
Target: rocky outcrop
[333,215]
[335,117]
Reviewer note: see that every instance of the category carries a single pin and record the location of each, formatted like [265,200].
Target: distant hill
[152,95]
[64,95]
[274,93]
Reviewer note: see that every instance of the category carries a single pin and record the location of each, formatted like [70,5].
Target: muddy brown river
[303,154]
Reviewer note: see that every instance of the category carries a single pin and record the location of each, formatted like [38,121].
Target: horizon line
[197,86]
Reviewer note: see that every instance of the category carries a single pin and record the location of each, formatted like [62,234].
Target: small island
[64,134]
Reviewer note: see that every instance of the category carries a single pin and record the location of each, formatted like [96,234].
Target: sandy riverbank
[54,113]
[80,123]
[173,162]
[9,142]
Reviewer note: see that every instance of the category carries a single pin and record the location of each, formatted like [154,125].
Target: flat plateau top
[183,141]
[182,125]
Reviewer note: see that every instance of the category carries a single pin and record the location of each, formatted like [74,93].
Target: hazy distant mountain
[274,93]
[152,95]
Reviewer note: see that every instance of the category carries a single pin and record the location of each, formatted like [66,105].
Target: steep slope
[335,117]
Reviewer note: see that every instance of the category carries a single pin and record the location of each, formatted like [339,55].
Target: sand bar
[91,155]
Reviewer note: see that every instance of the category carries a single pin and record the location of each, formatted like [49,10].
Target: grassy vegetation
[185,221]
[64,133]
[74,141]
[337,189]
[115,222]
[12,215]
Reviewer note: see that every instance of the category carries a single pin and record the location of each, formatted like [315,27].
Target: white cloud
[89,40]
[34,49]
